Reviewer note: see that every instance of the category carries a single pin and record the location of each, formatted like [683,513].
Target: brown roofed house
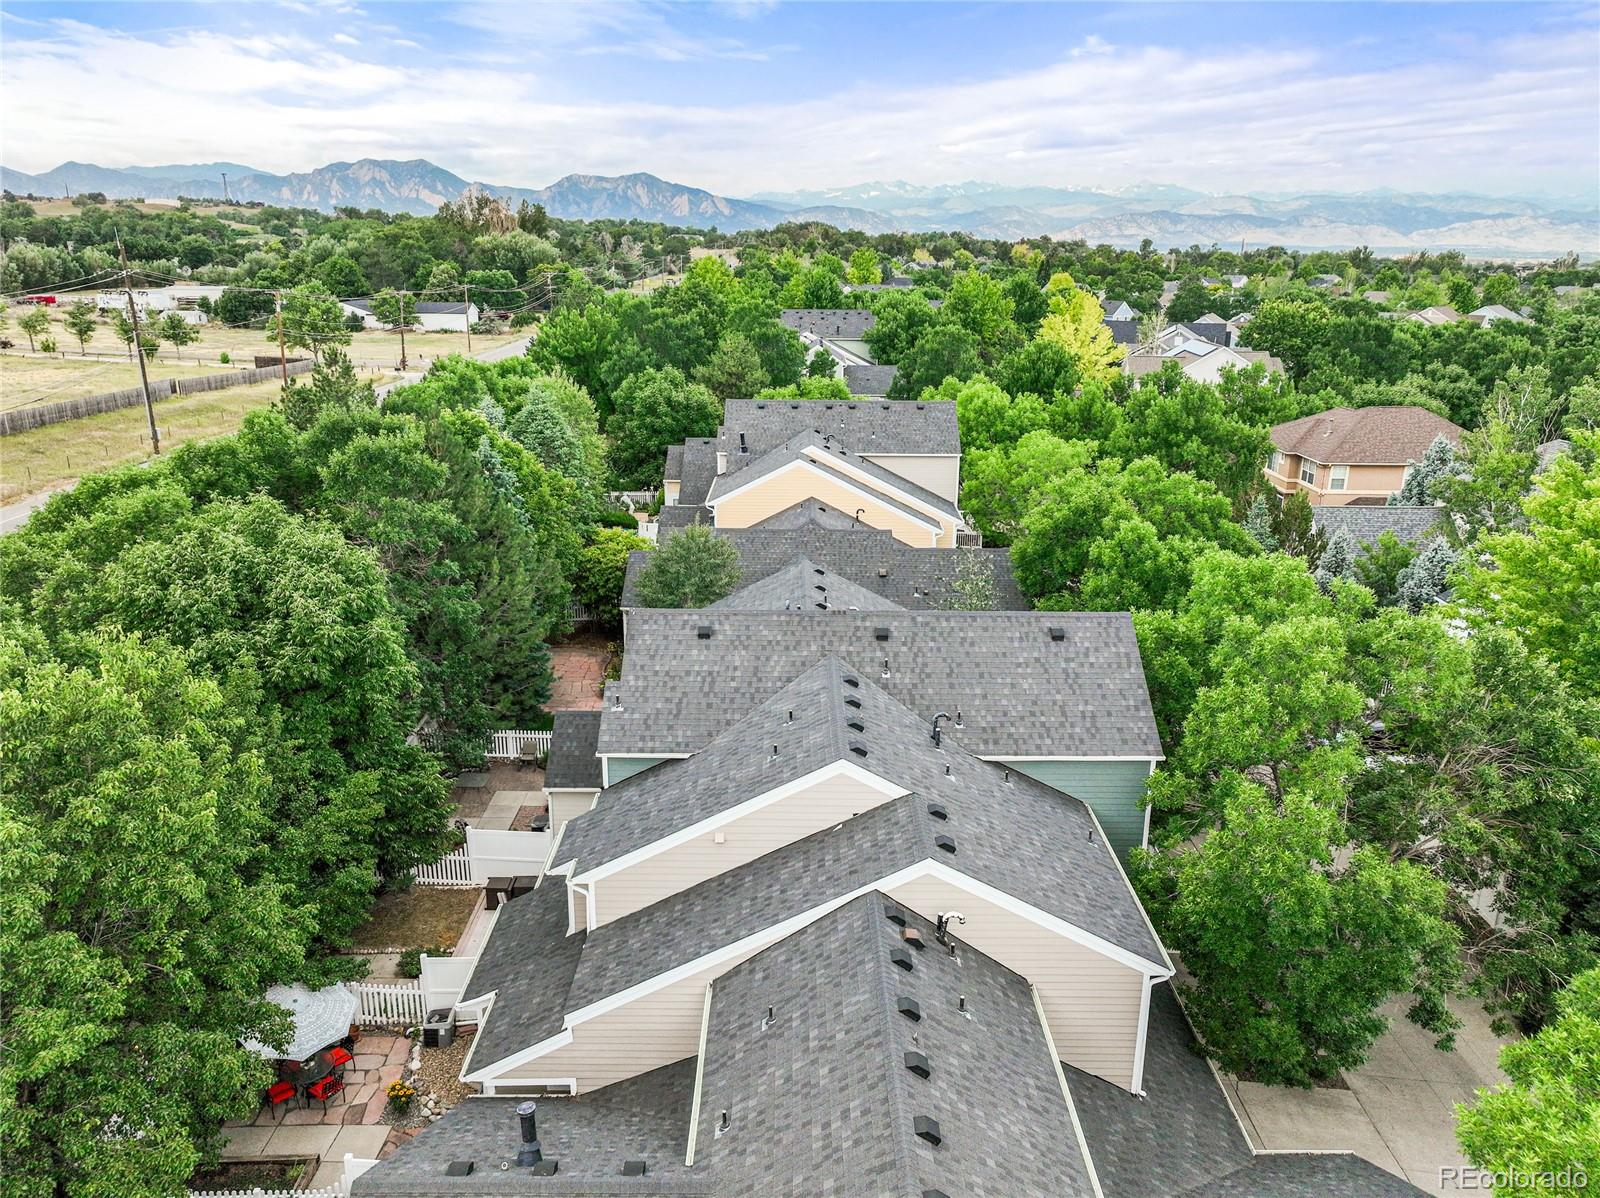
[1353,455]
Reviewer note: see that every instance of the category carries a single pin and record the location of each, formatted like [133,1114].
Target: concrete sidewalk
[1399,1110]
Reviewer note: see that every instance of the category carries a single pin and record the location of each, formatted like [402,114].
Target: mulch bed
[247,1175]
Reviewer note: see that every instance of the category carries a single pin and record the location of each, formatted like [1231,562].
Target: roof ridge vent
[703,632]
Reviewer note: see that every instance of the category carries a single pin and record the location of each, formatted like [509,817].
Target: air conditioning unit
[439,1029]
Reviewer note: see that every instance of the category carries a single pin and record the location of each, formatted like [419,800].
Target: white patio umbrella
[321,1017]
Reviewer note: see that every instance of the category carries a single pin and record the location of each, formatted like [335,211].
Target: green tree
[1379,565]
[141,922]
[1039,367]
[1292,946]
[81,323]
[1191,300]
[490,290]
[1501,288]
[1484,490]
[981,305]
[394,309]
[35,322]
[176,331]
[822,365]
[734,370]
[655,409]
[1423,478]
[943,351]
[312,319]
[602,566]
[814,287]
[864,266]
[1000,485]
[333,386]
[1258,523]
[342,276]
[901,318]
[1077,324]
[692,568]
[1546,1120]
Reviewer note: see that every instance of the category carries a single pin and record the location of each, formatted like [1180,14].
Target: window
[1275,462]
[1338,477]
[1308,471]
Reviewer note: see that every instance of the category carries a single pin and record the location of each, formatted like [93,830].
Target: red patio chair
[324,1089]
[276,1094]
[338,1058]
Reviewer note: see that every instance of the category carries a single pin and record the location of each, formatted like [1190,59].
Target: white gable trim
[605,764]
[875,493]
[1002,758]
[838,769]
[753,943]
[1137,1079]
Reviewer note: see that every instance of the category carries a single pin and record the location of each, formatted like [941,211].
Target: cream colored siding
[565,804]
[785,488]
[669,492]
[1091,1001]
[783,822]
[939,473]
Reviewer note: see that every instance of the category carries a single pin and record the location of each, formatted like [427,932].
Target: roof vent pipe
[529,1154]
[942,925]
[943,715]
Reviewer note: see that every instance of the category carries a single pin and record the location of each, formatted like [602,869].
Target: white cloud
[1224,115]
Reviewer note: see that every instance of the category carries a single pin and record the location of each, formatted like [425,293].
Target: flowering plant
[401,1095]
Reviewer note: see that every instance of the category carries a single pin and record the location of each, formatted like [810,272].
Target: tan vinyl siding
[939,473]
[669,492]
[1091,1001]
[819,806]
[785,488]
[565,804]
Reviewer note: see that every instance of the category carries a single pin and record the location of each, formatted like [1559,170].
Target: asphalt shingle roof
[803,585]
[1380,436]
[1023,693]
[864,426]
[821,1102]
[572,764]
[697,469]
[1124,332]
[850,323]
[909,576]
[676,516]
[870,380]
[1365,524]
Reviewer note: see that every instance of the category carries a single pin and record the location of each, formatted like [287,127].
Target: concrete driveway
[1399,1109]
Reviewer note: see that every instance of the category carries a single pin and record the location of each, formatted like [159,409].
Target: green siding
[1114,789]
[618,768]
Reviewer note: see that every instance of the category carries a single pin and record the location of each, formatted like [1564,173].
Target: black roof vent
[820,586]
[859,749]
[743,448]
[633,1168]
[880,634]
[927,1128]
[917,1062]
[909,1007]
[938,811]
[921,407]
[703,632]
[851,680]
[761,407]
[545,1168]
[458,1169]
[821,605]
[852,702]
[1057,633]
[912,937]
[894,915]
[856,726]
[934,1194]
[818,570]
[902,958]
[947,843]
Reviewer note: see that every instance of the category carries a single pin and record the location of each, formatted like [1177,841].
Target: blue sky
[745,97]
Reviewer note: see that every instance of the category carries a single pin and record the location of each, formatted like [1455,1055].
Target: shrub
[410,963]
[224,358]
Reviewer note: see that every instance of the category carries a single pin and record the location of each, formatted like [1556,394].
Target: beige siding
[669,492]
[785,488]
[1364,482]
[819,806]
[1091,1001]
[565,804]
[939,473]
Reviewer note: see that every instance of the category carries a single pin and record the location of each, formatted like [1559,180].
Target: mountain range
[1387,221]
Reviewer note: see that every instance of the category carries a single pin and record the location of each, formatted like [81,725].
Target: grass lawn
[423,915]
[25,380]
[44,457]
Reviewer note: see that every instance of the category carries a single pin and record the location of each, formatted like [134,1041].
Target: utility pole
[283,362]
[401,300]
[466,316]
[224,187]
[138,349]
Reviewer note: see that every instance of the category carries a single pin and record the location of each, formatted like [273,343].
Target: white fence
[260,1193]
[444,978]
[508,745]
[453,869]
[389,1006]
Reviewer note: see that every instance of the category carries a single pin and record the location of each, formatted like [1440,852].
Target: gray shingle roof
[821,1102]
[803,585]
[1365,524]
[643,1118]
[1124,332]
[1023,693]
[912,577]
[865,426]
[530,960]
[572,764]
[697,469]
[850,323]
[676,516]
[870,380]
[1217,334]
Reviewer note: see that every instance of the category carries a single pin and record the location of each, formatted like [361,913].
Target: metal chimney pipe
[529,1154]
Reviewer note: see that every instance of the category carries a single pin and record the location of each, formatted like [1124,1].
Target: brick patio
[579,664]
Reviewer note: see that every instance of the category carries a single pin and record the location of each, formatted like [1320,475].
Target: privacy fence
[20,420]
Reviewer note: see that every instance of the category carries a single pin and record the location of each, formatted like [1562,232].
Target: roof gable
[1377,436]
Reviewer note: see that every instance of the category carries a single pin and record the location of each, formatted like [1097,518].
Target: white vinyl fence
[508,744]
[402,1005]
[260,1193]
[453,869]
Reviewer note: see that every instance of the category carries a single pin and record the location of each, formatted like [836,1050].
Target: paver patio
[579,665]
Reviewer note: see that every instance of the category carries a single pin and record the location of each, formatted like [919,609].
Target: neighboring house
[1201,360]
[1493,314]
[431,317]
[833,951]
[1119,310]
[839,331]
[1353,455]
[572,771]
[1375,297]
[833,543]
[870,381]
[180,297]
[891,465]
[1124,332]
[1438,314]
[1324,282]
[1365,523]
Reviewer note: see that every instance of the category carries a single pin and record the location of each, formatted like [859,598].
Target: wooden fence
[508,744]
[453,869]
[19,420]
[401,1005]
